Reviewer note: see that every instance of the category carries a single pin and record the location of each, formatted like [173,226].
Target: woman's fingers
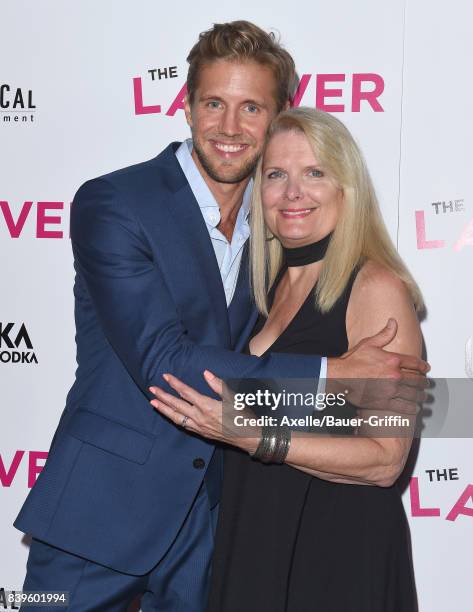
[204,413]
[188,393]
[173,415]
[166,410]
[173,402]
[215,383]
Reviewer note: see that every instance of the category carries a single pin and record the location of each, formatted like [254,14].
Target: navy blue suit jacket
[120,478]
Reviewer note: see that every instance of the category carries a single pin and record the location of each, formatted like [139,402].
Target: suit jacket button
[198,463]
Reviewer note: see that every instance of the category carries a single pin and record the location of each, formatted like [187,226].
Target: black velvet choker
[310,253]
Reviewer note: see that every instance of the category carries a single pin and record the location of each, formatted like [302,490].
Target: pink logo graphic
[141,109]
[359,91]
[46,219]
[462,506]
[422,242]
[426,241]
[364,88]
[9,472]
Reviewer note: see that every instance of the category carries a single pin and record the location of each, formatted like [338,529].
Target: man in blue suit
[127,501]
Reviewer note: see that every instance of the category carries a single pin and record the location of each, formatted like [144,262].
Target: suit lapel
[247,329]
[188,217]
[241,305]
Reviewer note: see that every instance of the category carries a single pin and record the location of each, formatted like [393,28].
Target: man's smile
[227,149]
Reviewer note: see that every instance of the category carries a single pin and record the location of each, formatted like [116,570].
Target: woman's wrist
[249,445]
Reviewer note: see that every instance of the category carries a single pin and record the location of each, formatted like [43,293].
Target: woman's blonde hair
[360,233]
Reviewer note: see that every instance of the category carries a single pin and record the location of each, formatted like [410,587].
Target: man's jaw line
[226,168]
[226,190]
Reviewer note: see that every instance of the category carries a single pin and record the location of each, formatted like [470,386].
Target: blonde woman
[331,534]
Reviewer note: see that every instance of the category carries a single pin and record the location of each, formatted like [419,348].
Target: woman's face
[301,204]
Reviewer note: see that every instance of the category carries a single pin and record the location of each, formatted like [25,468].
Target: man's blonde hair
[242,41]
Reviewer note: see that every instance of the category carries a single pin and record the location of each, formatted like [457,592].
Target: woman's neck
[305,262]
[302,274]
[307,253]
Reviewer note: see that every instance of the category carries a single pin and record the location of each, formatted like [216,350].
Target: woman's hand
[201,414]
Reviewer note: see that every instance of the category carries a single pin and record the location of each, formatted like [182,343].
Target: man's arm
[141,322]
[135,308]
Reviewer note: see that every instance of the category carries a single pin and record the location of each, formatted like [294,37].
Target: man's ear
[187,111]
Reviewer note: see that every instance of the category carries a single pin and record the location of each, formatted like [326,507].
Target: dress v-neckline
[275,286]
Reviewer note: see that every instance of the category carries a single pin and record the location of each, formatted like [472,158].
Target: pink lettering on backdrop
[140,108]
[42,219]
[34,470]
[370,96]
[416,509]
[6,477]
[15,229]
[301,89]
[323,92]
[460,506]
[466,239]
[178,103]
[422,243]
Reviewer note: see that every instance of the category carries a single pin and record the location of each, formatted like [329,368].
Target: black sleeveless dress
[290,542]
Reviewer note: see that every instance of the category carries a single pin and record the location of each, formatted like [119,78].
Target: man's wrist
[333,367]
[322,375]
[335,375]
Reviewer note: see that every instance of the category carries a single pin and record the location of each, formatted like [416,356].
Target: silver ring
[184,421]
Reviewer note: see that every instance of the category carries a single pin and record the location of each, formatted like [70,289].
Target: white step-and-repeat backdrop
[89,87]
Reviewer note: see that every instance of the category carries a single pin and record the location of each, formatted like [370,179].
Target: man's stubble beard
[243,173]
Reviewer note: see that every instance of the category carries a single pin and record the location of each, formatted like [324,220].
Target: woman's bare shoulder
[377,295]
[375,278]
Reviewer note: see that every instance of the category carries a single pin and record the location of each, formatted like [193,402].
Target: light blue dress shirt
[228,254]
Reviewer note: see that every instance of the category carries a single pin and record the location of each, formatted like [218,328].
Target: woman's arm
[377,294]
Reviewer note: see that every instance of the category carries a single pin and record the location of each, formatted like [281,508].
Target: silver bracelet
[274,445]
[267,445]
[283,444]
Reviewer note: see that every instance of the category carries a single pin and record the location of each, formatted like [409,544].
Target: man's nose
[230,123]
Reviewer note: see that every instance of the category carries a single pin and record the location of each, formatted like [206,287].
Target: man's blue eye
[252,108]
[316,172]
[214,104]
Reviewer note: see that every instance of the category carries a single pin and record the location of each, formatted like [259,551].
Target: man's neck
[229,197]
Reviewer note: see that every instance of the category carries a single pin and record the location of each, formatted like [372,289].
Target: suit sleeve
[135,309]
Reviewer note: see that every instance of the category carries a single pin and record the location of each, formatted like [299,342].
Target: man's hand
[368,359]
[378,379]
